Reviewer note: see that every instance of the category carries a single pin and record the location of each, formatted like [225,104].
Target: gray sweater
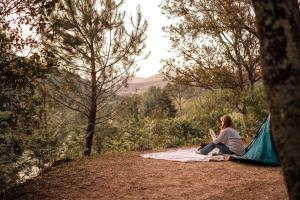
[231,138]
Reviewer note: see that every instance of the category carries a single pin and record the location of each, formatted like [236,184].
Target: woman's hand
[212,134]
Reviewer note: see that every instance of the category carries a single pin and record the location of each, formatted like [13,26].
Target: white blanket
[185,155]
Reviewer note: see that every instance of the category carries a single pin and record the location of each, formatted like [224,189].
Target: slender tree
[278,23]
[93,43]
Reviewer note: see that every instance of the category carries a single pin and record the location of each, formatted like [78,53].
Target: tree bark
[93,107]
[90,130]
[278,23]
[44,94]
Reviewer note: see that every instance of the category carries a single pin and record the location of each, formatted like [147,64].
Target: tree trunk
[278,23]
[93,107]
[245,117]
[44,94]
[178,100]
[90,130]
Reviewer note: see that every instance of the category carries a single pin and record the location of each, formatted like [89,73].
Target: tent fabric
[262,148]
[185,155]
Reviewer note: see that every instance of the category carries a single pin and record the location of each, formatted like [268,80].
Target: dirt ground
[129,176]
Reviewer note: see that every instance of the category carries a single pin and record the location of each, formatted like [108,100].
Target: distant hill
[139,84]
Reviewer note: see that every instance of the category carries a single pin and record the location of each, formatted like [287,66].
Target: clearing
[129,176]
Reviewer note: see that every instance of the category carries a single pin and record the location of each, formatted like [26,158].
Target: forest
[63,64]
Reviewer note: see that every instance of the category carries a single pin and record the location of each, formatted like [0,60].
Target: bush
[205,112]
[257,110]
[10,154]
[43,147]
[11,149]
[176,132]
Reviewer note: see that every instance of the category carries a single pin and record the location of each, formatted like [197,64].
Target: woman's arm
[212,134]
[222,138]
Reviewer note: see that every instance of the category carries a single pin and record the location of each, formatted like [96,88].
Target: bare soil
[129,176]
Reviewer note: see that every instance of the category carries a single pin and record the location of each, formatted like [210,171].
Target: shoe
[198,151]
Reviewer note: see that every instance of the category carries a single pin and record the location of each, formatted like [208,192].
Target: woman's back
[232,139]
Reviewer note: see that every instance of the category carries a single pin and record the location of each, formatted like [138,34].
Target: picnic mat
[185,155]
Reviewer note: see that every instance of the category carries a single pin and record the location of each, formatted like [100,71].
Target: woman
[228,141]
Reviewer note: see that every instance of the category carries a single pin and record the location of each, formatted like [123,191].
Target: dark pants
[222,147]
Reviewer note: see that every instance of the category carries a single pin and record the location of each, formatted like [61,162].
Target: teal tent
[262,148]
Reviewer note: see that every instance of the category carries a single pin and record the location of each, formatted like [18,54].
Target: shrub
[10,154]
[205,112]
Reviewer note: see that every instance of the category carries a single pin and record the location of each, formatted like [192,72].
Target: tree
[180,93]
[157,104]
[20,75]
[19,79]
[129,109]
[216,44]
[278,24]
[34,14]
[94,45]
[165,106]
[20,105]
[23,62]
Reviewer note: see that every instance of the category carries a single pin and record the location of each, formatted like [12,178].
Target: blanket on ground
[186,155]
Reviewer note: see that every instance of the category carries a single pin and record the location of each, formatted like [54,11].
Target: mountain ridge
[139,85]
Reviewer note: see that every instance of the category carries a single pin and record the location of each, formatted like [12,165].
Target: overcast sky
[156,42]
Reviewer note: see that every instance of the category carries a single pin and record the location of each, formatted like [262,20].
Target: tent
[262,148]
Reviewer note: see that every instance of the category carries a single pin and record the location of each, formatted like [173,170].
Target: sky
[156,42]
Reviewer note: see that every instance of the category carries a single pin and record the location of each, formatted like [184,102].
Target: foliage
[216,44]
[34,15]
[10,151]
[25,156]
[257,109]
[175,132]
[207,110]
[180,93]
[165,106]
[157,104]
[152,133]
[20,105]
[132,130]
[129,109]
[19,77]
[43,147]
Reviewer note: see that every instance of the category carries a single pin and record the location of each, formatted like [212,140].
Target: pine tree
[93,43]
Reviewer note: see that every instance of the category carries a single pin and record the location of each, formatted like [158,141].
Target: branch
[70,107]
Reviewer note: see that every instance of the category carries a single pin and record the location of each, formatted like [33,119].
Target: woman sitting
[228,141]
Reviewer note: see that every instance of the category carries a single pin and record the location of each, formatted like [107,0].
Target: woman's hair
[227,122]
